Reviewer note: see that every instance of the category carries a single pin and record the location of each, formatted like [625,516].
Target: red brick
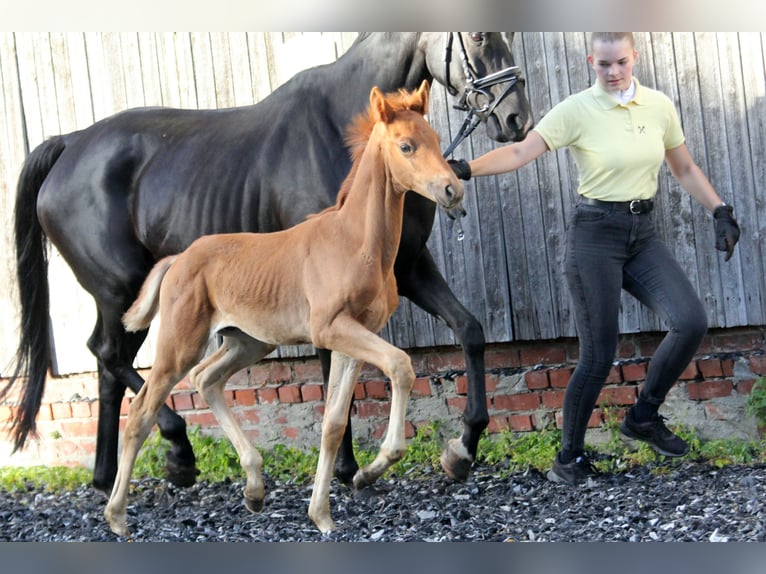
[712,412]
[272,372]
[596,419]
[710,368]
[268,395]
[727,365]
[614,376]
[308,371]
[44,414]
[359,392]
[204,419]
[289,394]
[633,372]
[461,385]
[617,396]
[199,402]
[61,411]
[376,389]
[247,416]
[422,387]
[80,410]
[745,387]
[182,402]
[72,429]
[553,399]
[626,349]
[518,402]
[245,397]
[498,423]
[536,379]
[737,342]
[457,403]
[758,364]
[311,392]
[542,354]
[709,389]
[373,409]
[447,361]
[500,358]
[490,382]
[409,430]
[291,432]
[559,378]
[521,422]
[419,363]
[691,372]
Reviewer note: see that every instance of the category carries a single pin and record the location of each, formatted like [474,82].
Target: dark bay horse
[142,184]
[328,281]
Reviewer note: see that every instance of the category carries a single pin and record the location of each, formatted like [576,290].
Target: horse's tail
[33,353]
[144,308]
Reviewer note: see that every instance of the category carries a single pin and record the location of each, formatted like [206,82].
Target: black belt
[635,206]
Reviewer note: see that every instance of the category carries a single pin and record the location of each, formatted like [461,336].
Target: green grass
[504,453]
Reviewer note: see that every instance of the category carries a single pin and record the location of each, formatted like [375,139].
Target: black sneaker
[655,434]
[574,472]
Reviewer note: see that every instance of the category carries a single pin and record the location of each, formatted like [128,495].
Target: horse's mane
[358,134]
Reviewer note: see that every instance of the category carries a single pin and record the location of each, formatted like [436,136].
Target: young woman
[619,133]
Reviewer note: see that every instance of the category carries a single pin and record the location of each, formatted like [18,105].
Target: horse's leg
[426,288]
[345,463]
[349,337]
[344,372]
[141,418]
[180,345]
[209,377]
[115,350]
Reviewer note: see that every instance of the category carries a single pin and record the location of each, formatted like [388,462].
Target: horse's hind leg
[209,377]
[141,418]
[344,372]
[115,350]
[345,463]
[425,287]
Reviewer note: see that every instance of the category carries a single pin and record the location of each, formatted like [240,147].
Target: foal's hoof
[254,505]
[180,475]
[456,461]
[362,480]
[345,472]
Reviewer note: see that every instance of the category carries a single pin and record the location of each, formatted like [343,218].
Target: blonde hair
[611,37]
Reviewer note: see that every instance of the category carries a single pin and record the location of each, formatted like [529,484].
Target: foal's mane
[358,134]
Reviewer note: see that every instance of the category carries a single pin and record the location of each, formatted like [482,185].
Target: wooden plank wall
[507,267]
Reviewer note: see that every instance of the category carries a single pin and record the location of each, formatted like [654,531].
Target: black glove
[460,167]
[726,229]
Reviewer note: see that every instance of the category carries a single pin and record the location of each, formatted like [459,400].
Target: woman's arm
[510,157]
[691,178]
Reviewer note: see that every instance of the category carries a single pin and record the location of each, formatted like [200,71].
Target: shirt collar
[608,102]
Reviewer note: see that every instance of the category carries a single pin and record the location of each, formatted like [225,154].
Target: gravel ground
[686,502]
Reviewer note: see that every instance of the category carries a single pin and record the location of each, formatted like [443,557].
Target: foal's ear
[420,103]
[379,106]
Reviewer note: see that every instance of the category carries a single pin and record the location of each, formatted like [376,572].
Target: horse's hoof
[102,486]
[345,473]
[118,525]
[180,475]
[254,505]
[456,461]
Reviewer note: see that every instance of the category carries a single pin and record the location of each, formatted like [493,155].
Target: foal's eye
[404,147]
[477,37]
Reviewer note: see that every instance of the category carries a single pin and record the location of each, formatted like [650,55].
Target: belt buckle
[635,207]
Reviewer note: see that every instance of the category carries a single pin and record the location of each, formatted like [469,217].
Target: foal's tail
[144,308]
[33,353]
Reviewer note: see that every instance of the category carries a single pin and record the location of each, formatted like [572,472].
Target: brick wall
[281,401]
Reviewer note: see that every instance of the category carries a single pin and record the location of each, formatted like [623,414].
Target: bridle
[476,90]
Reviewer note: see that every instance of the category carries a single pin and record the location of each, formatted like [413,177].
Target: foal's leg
[141,418]
[344,372]
[209,377]
[424,285]
[350,337]
[345,463]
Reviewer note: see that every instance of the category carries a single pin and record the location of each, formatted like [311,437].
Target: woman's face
[613,63]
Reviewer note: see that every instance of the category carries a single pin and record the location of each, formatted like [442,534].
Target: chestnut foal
[328,281]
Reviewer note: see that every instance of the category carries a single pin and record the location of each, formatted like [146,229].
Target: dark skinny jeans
[609,249]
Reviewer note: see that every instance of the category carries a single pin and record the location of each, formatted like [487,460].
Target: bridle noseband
[476,90]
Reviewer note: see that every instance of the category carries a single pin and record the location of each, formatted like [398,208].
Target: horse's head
[411,148]
[479,69]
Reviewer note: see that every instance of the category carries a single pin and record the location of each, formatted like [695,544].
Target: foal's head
[409,146]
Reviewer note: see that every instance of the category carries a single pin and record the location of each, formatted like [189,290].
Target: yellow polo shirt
[618,148]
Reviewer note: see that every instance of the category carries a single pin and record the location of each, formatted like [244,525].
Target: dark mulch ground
[686,502]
